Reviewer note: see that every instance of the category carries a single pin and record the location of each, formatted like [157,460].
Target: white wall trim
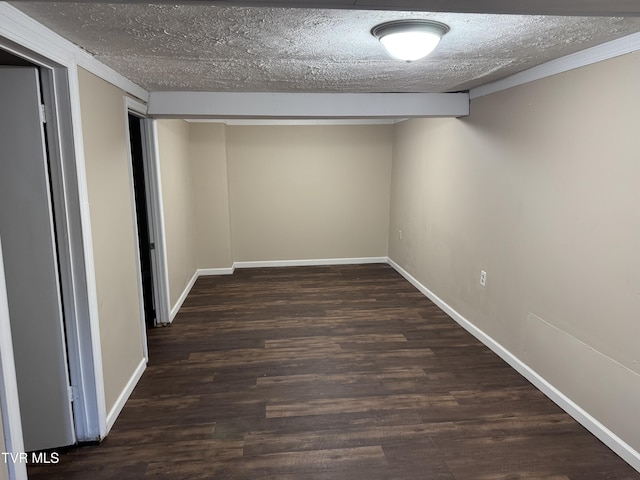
[307,263]
[615,443]
[98,395]
[163,312]
[135,106]
[155,219]
[296,122]
[109,75]
[125,394]
[9,403]
[605,51]
[183,296]
[207,272]
[201,272]
[27,32]
[83,340]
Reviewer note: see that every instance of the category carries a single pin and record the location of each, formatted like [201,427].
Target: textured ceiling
[197,47]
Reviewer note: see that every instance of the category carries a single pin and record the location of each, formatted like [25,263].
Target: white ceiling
[231,47]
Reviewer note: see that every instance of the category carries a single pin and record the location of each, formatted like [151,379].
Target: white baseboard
[615,443]
[183,296]
[203,272]
[126,393]
[314,262]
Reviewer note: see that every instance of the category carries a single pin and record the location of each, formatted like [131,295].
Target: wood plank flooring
[329,373]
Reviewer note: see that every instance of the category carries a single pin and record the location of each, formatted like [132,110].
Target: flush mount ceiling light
[409,40]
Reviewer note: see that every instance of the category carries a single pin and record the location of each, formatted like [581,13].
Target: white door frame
[155,212]
[59,59]
[155,215]
[71,209]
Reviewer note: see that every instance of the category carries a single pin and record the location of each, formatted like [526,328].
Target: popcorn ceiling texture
[254,49]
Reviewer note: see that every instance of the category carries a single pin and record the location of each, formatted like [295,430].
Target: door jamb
[155,214]
[75,247]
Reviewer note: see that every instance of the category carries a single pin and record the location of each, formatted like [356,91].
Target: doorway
[61,186]
[32,264]
[141,198]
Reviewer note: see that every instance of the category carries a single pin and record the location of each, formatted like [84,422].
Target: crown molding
[599,53]
[24,31]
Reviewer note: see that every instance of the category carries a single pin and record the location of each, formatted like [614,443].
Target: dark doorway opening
[145,244]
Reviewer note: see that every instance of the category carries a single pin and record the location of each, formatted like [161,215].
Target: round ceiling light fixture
[410,39]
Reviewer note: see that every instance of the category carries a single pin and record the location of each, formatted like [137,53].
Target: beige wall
[208,158]
[178,204]
[104,129]
[309,192]
[539,187]
[234,194]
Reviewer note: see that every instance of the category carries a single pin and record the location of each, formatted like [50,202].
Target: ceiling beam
[306,105]
[609,8]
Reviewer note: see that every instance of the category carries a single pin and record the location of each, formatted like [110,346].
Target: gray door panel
[31,268]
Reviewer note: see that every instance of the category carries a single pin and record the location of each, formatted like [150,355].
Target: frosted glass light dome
[409,40]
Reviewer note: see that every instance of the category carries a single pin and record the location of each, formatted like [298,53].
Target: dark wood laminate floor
[331,373]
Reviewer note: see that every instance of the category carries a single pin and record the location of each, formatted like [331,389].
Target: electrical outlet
[483,278]
[399,234]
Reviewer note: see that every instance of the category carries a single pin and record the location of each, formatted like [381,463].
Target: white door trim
[131,106]
[88,359]
[155,209]
[83,330]
[161,271]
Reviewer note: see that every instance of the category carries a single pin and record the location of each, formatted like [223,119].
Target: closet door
[31,265]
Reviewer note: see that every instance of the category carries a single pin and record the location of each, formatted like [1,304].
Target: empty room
[261,240]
